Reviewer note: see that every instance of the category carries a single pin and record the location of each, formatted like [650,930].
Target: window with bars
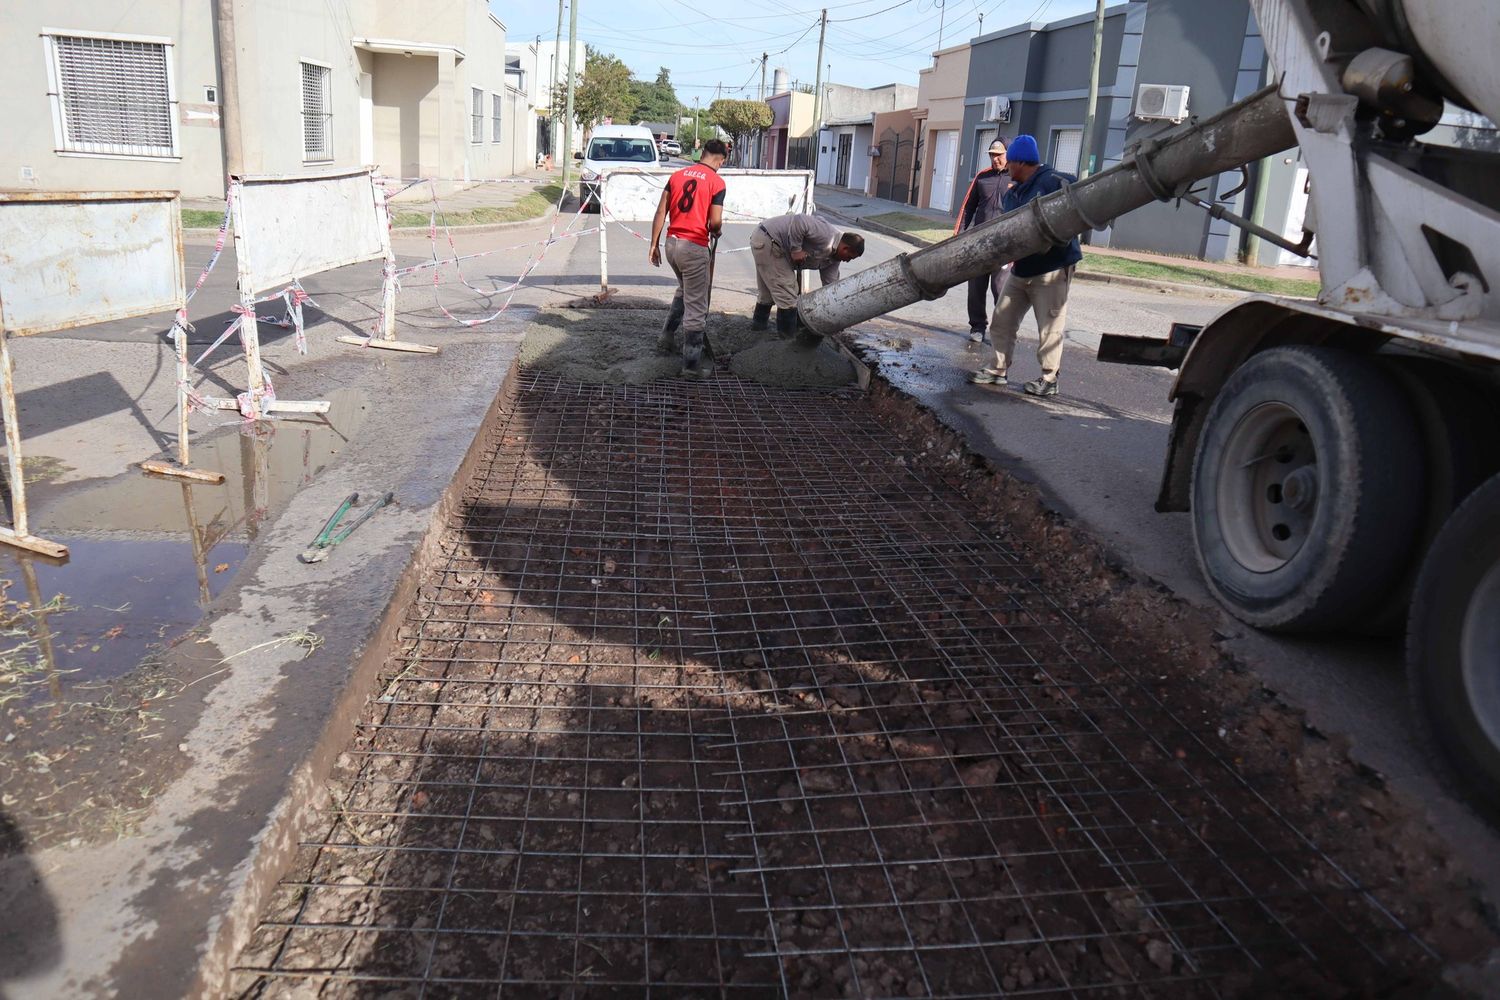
[476,116]
[112,95]
[496,114]
[317,112]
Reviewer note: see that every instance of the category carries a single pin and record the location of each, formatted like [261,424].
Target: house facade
[1162,62]
[939,114]
[848,130]
[789,140]
[129,96]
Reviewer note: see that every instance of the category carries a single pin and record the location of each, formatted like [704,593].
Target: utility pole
[568,115]
[552,84]
[1085,152]
[696,135]
[942,14]
[818,94]
[229,93]
[981,22]
[760,137]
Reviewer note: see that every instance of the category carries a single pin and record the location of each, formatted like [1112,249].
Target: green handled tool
[322,546]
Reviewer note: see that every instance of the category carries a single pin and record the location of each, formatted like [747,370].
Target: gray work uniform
[772,244]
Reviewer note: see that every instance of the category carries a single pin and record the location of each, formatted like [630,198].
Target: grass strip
[532,205]
[1095,263]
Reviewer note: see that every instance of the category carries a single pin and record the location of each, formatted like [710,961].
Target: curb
[1164,287]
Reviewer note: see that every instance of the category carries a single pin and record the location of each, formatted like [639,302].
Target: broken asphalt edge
[1164,287]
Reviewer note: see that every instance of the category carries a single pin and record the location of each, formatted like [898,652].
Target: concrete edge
[307,790]
[487,227]
[1165,287]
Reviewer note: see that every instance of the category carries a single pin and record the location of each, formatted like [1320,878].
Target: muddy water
[149,554]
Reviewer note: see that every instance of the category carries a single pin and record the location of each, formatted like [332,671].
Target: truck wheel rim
[1268,487]
[1480,652]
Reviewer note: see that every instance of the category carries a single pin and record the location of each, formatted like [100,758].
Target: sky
[706,43]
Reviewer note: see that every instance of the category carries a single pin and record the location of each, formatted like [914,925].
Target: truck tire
[1307,489]
[1453,647]
[1458,420]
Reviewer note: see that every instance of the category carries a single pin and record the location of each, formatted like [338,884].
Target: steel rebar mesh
[716,692]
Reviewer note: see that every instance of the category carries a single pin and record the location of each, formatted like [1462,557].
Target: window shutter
[496,109]
[115,96]
[317,139]
[476,116]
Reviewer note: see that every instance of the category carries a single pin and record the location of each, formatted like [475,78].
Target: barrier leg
[603,253]
[387,340]
[18,535]
[257,406]
[182,468]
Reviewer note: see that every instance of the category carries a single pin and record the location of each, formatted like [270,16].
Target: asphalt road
[1096,452]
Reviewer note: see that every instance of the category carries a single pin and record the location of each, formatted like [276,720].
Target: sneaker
[976,336]
[988,376]
[1041,387]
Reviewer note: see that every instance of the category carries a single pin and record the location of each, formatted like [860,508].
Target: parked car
[671,147]
[610,147]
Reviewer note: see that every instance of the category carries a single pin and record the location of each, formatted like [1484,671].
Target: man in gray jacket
[981,204]
[785,245]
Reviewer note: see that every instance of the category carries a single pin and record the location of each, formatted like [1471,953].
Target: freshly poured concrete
[618,346]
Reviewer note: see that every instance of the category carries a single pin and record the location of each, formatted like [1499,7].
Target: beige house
[789,140]
[128,96]
[941,89]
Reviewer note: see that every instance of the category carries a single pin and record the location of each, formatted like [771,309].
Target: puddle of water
[148,553]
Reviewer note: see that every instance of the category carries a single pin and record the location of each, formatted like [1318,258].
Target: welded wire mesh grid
[715,693]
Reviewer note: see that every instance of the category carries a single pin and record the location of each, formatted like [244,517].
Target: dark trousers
[979,319]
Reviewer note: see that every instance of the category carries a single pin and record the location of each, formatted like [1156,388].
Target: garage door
[1067,143]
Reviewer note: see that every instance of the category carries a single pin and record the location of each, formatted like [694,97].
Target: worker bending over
[785,245]
[692,209]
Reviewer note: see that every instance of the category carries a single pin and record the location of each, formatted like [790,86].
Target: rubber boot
[761,318]
[786,323]
[693,365]
[667,342]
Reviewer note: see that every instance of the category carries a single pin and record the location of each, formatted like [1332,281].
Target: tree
[656,101]
[603,92]
[742,120]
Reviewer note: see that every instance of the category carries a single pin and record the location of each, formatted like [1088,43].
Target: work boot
[692,351]
[667,342]
[787,322]
[761,318]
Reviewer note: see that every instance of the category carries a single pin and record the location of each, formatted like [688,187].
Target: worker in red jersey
[691,209]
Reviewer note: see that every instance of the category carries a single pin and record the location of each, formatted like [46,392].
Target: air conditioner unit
[1158,102]
[997,109]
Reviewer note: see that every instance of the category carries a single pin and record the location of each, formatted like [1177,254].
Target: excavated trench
[728,690]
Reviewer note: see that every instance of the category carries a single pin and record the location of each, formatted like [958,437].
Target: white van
[611,147]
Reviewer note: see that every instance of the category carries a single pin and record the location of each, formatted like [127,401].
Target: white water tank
[780,82]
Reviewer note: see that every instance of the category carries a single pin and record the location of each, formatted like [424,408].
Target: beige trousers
[689,262]
[775,278]
[1046,295]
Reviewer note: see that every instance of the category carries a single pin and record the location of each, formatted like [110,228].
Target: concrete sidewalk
[859,208]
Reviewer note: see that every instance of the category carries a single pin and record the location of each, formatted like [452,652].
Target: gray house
[1163,61]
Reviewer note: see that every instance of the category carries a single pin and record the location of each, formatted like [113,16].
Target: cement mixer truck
[1340,458]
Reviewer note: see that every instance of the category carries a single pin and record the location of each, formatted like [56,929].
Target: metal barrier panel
[750,195]
[292,227]
[73,258]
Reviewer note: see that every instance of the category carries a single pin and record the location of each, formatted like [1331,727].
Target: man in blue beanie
[1038,283]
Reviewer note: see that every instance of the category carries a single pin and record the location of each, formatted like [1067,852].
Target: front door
[944,170]
[841,174]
